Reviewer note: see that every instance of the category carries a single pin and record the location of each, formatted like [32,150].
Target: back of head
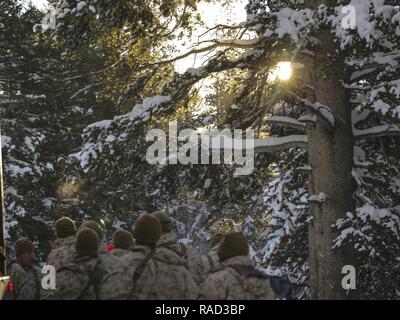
[65,227]
[122,239]
[232,245]
[87,242]
[90,224]
[165,220]
[147,230]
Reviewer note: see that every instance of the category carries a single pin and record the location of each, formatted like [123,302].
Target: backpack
[75,280]
[120,283]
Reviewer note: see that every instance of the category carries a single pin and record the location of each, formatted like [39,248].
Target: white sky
[212,14]
[41,4]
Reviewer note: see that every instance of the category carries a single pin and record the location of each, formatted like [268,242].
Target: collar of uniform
[102,248]
[239,260]
[61,242]
[167,238]
[140,248]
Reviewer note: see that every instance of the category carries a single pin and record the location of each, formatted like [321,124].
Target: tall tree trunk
[331,159]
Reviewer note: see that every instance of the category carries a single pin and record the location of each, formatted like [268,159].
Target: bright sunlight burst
[282,71]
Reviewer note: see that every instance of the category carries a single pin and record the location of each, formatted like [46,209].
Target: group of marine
[148,263]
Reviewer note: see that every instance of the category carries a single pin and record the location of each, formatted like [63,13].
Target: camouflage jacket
[80,280]
[62,252]
[119,252]
[195,262]
[211,262]
[110,261]
[150,274]
[237,279]
[26,281]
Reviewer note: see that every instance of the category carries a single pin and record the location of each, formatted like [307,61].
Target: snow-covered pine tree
[28,167]
[41,122]
[346,80]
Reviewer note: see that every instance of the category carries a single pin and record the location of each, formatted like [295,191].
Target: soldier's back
[147,273]
[109,260]
[80,280]
[170,275]
[62,253]
[194,261]
[237,279]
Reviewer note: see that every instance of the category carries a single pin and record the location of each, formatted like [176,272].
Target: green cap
[90,224]
[123,239]
[165,220]
[23,245]
[233,244]
[65,227]
[147,229]
[87,242]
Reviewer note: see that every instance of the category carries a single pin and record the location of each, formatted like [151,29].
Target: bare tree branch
[242,44]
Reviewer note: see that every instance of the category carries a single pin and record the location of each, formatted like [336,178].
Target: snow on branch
[319,198]
[132,88]
[308,119]
[267,145]
[286,122]
[270,145]
[234,43]
[381,61]
[377,132]
[324,113]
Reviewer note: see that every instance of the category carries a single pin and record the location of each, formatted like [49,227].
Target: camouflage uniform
[211,262]
[163,277]
[80,280]
[195,262]
[62,253]
[118,252]
[237,280]
[26,281]
[110,261]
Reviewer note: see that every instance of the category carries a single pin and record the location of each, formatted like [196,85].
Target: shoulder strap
[139,269]
[38,284]
[96,275]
